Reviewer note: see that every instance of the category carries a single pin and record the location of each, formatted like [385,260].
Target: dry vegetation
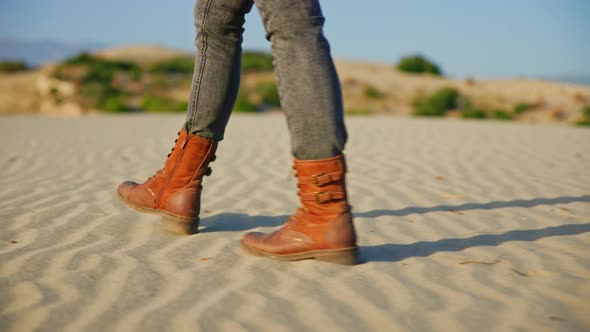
[151,78]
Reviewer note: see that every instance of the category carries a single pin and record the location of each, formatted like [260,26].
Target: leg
[174,192]
[322,227]
[308,82]
[216,78]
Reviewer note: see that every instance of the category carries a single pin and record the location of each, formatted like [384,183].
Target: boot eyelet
[208,171]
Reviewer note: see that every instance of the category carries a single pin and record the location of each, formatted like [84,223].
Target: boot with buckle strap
[322,227]
[174,191]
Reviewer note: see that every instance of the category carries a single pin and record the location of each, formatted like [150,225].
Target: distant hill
[143,54]
[573,79]
[153,78]
[39,52]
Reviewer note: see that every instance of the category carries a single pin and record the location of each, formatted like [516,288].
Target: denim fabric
[309,88]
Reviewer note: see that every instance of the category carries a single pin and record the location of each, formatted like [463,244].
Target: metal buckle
[316,181]
[317,196]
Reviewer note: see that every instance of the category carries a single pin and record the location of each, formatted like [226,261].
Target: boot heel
[345,257]
[183,227]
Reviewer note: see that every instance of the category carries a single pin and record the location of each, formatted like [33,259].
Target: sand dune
[144,54]
[464,226]
[555,102]
[549,102]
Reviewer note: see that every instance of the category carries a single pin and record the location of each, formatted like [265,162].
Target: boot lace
[208,171]
[161,170]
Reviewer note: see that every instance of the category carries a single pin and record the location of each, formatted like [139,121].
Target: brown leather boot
[175,191]
[322,227]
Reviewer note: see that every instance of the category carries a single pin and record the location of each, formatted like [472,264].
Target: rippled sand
[464,226]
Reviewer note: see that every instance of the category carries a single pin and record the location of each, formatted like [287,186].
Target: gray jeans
[308,85]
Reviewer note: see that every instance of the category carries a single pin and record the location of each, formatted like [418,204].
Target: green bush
[83,58]
[60,74]
[99,74]
[585,121]
[95,95]
[12,66]
[155,103]
[521,108]
[446,97]
[102,70]
[418,64]
[256,62]
[436,104]
[178,66]
[422,107]
[116,105]
[373,93]
[502,115]
[473,113]
[96,87]
[90,60]
[92,94]
[269,93]
[243,104]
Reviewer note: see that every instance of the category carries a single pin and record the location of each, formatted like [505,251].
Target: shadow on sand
[476,206]
[399,252]
[232,222]
[237,222]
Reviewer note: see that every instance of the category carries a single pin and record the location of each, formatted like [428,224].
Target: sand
[464,226]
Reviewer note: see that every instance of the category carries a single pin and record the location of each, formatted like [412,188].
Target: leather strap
[321,179]
[322,196]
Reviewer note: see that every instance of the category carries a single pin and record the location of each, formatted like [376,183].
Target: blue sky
[498,38]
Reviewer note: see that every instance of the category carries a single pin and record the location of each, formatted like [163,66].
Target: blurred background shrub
[175,66]
[372,93]
[437,104]
[418,64]
[154,103]
[269,93]
[12,67]
[256,62]
[243,104]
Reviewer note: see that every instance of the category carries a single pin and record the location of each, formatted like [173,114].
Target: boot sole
[344,256]
[171,222]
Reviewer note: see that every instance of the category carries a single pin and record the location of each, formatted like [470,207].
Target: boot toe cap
[253,239]
[125,188]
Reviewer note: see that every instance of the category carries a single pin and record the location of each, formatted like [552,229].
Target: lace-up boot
[174,191]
